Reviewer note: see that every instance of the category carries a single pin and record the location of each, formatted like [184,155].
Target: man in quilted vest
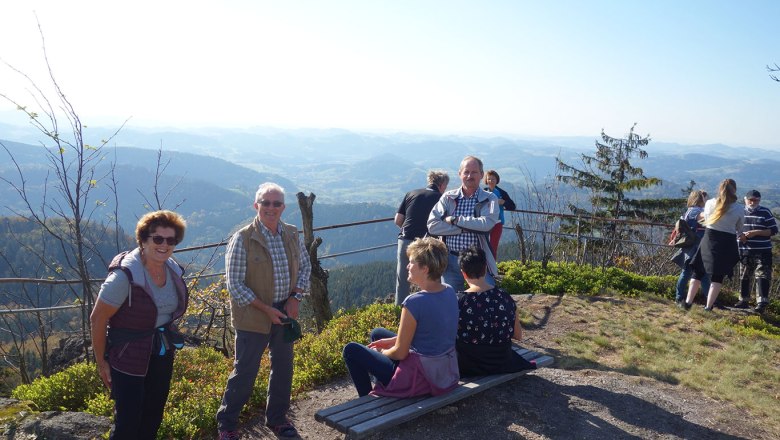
[267,272]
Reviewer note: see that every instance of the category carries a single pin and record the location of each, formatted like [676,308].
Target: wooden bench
[369,415]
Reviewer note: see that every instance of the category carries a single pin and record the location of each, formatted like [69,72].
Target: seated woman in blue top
[487,324]
[421,358]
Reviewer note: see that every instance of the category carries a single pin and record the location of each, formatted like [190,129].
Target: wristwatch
[296,295]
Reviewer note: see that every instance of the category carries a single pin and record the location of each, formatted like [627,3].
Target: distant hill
[212,174]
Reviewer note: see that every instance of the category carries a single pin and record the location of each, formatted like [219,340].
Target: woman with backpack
[696,200]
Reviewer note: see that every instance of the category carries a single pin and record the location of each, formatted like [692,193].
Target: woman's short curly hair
[153,220]
[431,253]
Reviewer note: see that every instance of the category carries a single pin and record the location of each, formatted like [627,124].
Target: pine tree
[611,178]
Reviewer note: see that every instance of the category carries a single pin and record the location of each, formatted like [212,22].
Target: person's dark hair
[472,262]
[153,220]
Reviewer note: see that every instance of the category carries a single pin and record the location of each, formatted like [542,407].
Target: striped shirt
[464,206]
[235,267]
[760,218]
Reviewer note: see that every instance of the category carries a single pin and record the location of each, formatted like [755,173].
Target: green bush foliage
[318,357]
[199,378]
[200,375]
[560,278]
[68,390]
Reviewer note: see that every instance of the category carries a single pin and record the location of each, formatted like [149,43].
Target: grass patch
[725,355]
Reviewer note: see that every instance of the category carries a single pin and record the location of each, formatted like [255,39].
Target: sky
[692,72]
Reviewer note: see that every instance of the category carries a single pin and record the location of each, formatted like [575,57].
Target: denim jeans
[363,362]
[681,292]
[401,273]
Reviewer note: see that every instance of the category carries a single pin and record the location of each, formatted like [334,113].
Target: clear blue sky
[689,71]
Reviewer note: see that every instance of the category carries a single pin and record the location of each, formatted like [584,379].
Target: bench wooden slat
[346,405]
[377,413]
[371,414]
[368,405]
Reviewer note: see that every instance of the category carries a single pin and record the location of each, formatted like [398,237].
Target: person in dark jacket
[504,202]
[696,200]
[133,335]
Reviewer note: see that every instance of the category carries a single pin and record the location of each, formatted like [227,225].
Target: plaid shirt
[464,206]
[235,267]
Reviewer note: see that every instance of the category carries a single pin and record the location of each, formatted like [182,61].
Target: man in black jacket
[412,217]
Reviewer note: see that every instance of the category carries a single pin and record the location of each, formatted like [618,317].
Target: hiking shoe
[761,307]
[285,430]
[681,304]
[742,304]
[229,435]
[708,309]
[686,306]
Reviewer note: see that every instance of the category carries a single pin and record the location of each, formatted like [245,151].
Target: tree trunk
[319,276]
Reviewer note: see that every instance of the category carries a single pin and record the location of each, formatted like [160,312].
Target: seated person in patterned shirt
[487,323]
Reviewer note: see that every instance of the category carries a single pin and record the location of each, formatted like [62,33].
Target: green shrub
[100,405]
[318,357]
[200,375]
[68,390]
[199,378]
[560,278]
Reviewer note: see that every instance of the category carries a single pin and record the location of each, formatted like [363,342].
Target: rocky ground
[551,403]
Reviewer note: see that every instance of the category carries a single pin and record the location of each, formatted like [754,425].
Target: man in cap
[755,250]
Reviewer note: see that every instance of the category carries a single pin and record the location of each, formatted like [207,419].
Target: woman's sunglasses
[159,239]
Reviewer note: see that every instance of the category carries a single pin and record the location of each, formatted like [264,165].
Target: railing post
[577,256]
[319,276]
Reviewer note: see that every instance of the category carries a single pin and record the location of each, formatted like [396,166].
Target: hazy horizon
[687,72]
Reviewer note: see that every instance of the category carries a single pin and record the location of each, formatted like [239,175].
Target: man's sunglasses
[267,203]
[159,239]
[753,200]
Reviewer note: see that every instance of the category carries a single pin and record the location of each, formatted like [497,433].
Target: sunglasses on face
[267,203]
[159,239]
[753,200]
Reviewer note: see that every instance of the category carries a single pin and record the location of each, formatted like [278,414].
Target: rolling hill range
[210,175]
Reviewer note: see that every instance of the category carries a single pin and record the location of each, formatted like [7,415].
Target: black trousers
[139,400]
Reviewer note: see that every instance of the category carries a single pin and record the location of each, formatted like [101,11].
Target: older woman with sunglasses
[133,335]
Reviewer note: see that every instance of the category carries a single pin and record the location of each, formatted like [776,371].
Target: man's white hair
[268,187]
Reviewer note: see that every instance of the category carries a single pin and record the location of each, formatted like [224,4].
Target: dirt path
[551,403]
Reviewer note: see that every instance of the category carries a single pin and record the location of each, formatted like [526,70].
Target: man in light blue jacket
[463,217]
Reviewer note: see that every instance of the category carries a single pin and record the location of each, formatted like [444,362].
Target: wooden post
[319,276]
[521,242]
[577,256]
